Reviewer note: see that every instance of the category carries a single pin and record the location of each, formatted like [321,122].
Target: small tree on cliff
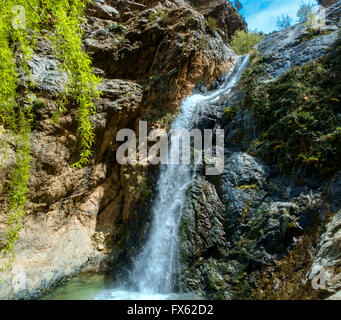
[243,42]
[304,11]
[284,22]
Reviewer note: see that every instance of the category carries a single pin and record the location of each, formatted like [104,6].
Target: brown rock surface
[150,54]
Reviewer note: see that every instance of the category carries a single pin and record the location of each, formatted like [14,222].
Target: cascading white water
[156,264]
[155,267]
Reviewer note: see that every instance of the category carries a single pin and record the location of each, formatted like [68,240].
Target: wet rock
[327,261]
[203,219]
[178,54]
[335,194]
[272,223]
[46,75]
[67,206]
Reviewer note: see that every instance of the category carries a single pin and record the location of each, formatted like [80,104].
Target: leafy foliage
[284,22]
[144,189]
[212,24]
[229,113]
[67,40]
[18,187]
[164,18]
[243,42]
[304,11]
[21,23]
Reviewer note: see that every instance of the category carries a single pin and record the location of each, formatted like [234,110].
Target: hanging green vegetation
[22,21]
[67,40]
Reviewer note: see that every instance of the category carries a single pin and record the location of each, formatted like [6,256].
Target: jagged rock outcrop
[225,20]
[150,55]
[328,257]
[248,220]
[299,44]
[255,232]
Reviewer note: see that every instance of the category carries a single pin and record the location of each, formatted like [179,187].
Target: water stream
[155,270]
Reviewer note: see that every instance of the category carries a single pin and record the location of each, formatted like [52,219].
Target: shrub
[246,187]
[253,54]
[229,113]
[284,22]
[117,27]
[144,189]
[164,18]
[243,42]
[238,5]
[212,24]
[304,11]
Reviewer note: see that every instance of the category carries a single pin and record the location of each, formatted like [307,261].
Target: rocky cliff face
[326,3]
[150,55]
[256,232]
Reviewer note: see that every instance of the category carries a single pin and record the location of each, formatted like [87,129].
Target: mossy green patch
[298,115]
[212,24]
[246,187]
[229,113]
[144,188]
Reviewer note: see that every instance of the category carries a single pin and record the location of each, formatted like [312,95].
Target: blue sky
[262,14]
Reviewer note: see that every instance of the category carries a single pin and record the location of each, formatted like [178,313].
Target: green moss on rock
[298,115]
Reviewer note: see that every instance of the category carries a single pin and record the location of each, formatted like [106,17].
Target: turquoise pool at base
[102,287]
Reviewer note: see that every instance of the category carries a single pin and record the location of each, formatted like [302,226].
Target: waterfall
[155,268]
